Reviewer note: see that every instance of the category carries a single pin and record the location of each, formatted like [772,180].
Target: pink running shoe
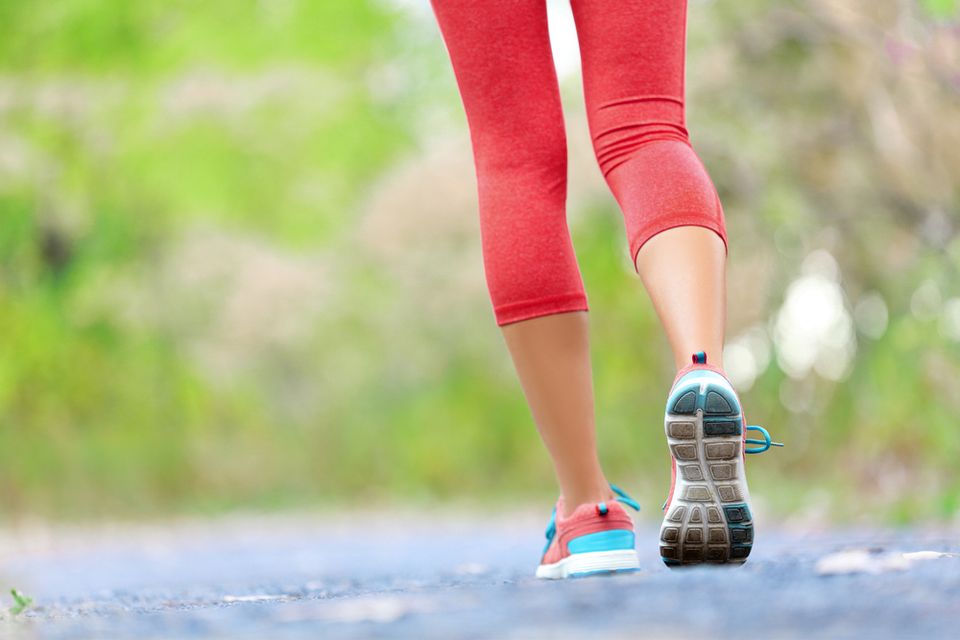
[596,538]
[707,516]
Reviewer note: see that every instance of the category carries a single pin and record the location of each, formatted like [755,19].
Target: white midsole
[619,560]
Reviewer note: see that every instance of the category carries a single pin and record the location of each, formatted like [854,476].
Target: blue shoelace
[765,444]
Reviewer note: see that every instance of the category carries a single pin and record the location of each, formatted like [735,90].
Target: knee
[625,144]
[664,177]
[508,151]
[621,128]
[663,185]
[522,181]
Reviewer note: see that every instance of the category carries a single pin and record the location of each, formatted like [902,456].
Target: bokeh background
[240,268]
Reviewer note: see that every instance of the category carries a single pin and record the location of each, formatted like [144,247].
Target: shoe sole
[709,519]
[590,563]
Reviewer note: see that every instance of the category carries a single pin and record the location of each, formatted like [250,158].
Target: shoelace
[601,509]
[765,444]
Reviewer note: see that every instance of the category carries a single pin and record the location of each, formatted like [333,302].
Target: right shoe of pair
[707,514]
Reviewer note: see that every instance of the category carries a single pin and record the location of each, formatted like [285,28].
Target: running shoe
[596,538]
[707,515]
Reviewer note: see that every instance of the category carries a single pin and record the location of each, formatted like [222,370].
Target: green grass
[20,602]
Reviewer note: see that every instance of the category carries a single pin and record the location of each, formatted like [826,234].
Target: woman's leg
[633,73]
[500,50]
[552,357]
[633,59]
[684,270]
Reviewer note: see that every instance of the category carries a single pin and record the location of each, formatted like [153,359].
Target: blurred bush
[239,261]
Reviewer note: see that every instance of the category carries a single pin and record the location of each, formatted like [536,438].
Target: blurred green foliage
[234,270]
[941,8]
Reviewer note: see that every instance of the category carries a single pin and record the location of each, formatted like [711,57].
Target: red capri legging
[632,53]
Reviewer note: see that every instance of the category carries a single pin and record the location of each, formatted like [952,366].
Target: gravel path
[419,575]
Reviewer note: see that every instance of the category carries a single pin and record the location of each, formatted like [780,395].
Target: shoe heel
[611,551]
